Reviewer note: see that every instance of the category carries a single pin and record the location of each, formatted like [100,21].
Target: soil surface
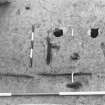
[76,18]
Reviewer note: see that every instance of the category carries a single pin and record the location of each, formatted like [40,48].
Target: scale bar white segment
[72,32]
[72,77]
[82,93]
[32,36]
[5,94]
[31,52]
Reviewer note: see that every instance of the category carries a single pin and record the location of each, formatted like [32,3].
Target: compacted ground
[76,18]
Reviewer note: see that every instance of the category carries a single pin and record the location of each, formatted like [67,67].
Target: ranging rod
[85,93]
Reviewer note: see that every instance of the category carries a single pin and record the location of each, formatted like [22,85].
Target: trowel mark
[5,3]
[102,45]
[16,75]
[49,51]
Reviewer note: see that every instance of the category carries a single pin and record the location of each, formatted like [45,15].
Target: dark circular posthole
[75,56]
[75,85]
[94,32]
[58,32]
[27,8]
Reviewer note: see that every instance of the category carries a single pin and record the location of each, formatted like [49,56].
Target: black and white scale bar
[87,93]
[32,46]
